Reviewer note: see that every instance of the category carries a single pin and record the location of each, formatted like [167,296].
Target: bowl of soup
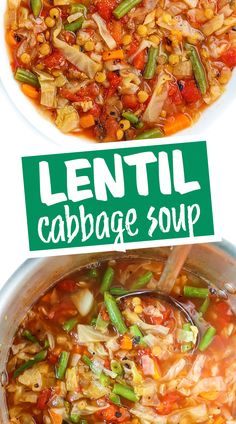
[82,343]
[118,70]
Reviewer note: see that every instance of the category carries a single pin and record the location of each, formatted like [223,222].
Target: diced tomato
[89,92]
[96,110]
[115,27]
[133,47]
[64,309]
[113,414]
[130,101]
[52,358]
[67,285]
[111,127]
[43,399]
[105,8]
[175,94]
[139,61]
[55,61]
[169,402]
[114,81]
[229,57]
[189,91]
[145,351]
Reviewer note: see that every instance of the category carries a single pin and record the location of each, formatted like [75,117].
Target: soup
[87,353]
[121,70]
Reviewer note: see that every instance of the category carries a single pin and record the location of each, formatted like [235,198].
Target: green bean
[23,75]
[114,313]
[198,68]
[83,422]
[29,336]
[150,68]
[117,367]
[78,7]
[115,399]
[124,7]
[36,6]
[89,363]
[28,364]
[207,338]
[70,324]
[104,379]
[142,281]
[62,365]
[93,273]
[204,306]
[118,291]
[200,292]
[137,334]
[46,344]
[152,133]
[125,391]
[107,279]
[75,418]
[131,117]
[74,26]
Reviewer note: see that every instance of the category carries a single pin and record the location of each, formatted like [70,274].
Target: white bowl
[49,130]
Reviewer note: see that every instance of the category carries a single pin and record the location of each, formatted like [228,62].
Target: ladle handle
[173,267]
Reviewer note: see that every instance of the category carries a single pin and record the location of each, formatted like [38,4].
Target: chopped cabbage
[87,334]
[67,119]
[105,34]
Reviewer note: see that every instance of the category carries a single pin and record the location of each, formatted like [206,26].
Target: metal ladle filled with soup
[85,354]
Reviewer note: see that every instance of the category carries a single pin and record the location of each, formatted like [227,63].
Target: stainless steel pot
[214,262]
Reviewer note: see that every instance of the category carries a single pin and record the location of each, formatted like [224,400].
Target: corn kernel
[47,35]
[138,309]
[124,124]
[54,13]
[100,77]
[56,73]
[163,113]
[136,301]
[225,76]
[40,38]
[25,58]
[44,49]
[119,134]
[126,39]
[89,46]
[155,39]
[50,22]
[205,53]
[173,59]
[142,96]
[142,30]
[40,66]
[156,350]
[167,18]
[209,13]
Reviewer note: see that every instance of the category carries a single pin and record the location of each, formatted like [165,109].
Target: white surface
[19,139]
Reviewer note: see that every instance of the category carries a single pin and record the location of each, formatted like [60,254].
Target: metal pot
[214,262]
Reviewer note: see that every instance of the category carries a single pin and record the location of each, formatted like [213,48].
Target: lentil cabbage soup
[120,70]
[83,354]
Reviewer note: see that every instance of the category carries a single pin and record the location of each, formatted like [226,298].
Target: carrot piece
[176,123]
[10,39]
[113,55]
[126,343]
[56,418]
[219,420]
[87,121]
[30,91]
